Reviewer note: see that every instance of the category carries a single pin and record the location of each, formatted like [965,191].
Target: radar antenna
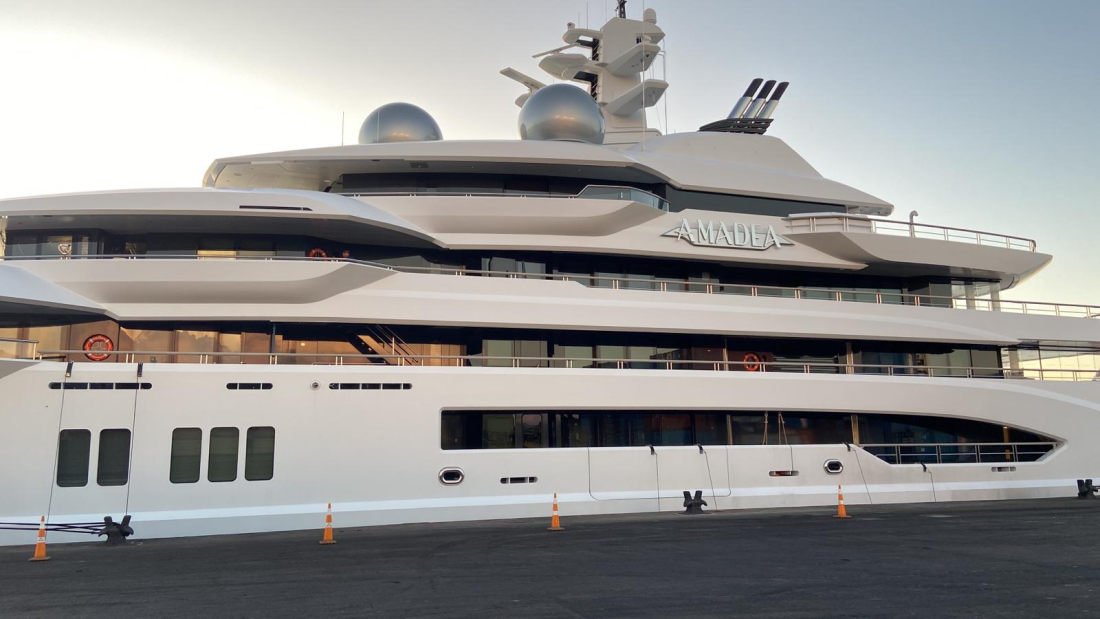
[613,71]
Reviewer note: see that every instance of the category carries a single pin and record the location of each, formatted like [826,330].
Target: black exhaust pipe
[758,102]
[769,107]
[743,103]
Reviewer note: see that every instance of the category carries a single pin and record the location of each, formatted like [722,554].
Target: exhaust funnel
[743,103]
[769,107]
[758,102]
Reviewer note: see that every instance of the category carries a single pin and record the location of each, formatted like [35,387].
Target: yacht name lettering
[737,235]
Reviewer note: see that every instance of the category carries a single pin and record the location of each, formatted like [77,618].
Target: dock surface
[1011,558]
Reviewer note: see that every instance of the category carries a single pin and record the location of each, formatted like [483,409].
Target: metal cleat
[694,504]
[1085,489]
[116,532]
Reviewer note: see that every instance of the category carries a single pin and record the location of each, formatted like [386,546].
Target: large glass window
[186,455]
[224,446]
[537,429]
[574,430]
[573,356]
[534,430]
[750,428]
[259,454]
[498,431]
[56,245]
[151,340]
[228,342]
[529,353]
[73,451]
[621,430]
[256,343]
[114,458]
[195,342]
[21,245]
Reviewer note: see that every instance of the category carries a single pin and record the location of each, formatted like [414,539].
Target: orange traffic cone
[40,546]
[555,522]
[327,538]
[840,511]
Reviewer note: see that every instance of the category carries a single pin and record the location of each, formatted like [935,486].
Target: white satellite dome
[561,112]
[399,122]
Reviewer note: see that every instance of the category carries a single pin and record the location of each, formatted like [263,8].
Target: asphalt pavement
[1014,558]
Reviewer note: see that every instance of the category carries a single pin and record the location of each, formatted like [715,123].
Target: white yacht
[417,329]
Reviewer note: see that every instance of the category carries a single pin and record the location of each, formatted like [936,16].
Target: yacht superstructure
[419,329]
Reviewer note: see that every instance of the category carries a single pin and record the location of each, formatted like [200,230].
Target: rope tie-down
[116,532]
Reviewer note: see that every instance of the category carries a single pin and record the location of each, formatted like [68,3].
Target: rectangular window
[186,455]
[114,458]
[224,446]
[575,430]
[533,430]
[259,454]
[74,447]
[498,431]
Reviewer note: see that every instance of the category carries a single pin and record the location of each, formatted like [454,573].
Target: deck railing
[753,366]
[958,453]
[1041,308]
[13,348]
[859,223]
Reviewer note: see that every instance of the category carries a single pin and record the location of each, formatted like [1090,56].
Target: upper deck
[748,166]
[597,221]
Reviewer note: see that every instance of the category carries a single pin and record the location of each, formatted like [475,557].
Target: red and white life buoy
[98,347]
[317,252]
[751,362]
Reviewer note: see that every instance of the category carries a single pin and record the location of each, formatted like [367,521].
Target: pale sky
[976,113]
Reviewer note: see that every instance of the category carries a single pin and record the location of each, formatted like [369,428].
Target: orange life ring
[317,252]
[98,347]
[751,361]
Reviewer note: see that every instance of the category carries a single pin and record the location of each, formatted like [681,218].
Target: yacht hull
[376,454]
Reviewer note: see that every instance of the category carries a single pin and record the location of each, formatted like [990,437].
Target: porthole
[451,476]
[833,467]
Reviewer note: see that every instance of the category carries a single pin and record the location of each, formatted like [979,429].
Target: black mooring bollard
[116,532]
[1085,489]
[694,504]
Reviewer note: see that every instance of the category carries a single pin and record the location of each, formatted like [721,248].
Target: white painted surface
[376,454]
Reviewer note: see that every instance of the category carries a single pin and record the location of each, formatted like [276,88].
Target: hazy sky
[976,113]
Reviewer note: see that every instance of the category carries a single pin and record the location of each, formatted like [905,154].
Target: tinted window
[224,445]
[114,458]
[74,447]
[186,455]
[259,454]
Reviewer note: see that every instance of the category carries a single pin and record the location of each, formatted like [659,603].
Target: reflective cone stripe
[327,538]
[555,521]
[841,512]
[40,545]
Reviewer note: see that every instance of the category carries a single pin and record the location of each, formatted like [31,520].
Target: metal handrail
[20,342]
[958,453]
[762,366]
[913,230]
[1043,308]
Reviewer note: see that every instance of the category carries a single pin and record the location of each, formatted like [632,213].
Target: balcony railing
[958,453]
[1041,308]
[591,192]
[860,223]
[755,367]
[13,348]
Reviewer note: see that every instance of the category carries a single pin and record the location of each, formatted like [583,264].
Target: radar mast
[613,70]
